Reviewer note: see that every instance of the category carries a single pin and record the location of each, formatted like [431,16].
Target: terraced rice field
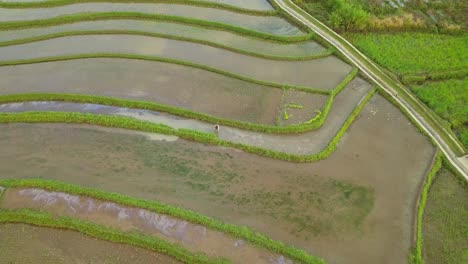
[110,154]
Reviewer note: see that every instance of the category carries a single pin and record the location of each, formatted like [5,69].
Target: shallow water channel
[195,238]
[267,24]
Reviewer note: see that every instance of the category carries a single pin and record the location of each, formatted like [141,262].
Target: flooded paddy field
[27,244]
[358,212]
[303,48]
[302,143]
[165,83]
[322,73]
[267,24]
[195,238]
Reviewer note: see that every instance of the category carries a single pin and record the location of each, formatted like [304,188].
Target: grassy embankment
[130,123]
[416,255]
[155,206]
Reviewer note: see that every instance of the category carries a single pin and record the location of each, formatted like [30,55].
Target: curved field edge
[68,19]
[416,253]
[133,124]
[42,219]
[55,3]
[166,60]
[240,232]
[312,124]
[166,36]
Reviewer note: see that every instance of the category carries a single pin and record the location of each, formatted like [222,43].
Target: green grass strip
[240,232]
[416,254]
[55,3]
[161,59]
[314,123]
[68,19]
[166,36]
[208,138]
[43,219]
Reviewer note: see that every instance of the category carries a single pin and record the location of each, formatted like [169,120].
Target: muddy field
[30,245]
[323,73]
[165,83]
[268,24]
[358,212]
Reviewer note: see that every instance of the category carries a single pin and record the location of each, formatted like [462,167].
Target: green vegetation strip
[68,19]
[416,254]
[134,124]
[167,36]
[54,3]
[433,120]
[312,124]
[42,219]
[241,232]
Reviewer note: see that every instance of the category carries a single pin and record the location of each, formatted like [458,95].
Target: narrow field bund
[243,23]
[328,71]
[241,232]
[416,253]
[133,124]
[304,50]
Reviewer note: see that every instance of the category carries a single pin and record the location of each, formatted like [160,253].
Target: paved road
[312,23]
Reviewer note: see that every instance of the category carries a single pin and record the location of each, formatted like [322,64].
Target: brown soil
[29,244]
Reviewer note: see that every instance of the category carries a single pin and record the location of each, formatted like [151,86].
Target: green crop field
[445,225]
[414,53]
[449,99]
